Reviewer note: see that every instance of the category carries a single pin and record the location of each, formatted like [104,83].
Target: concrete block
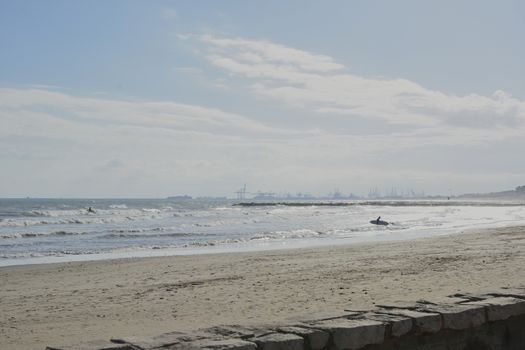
[458,316]
[518,293]
[322,316]
[398,325]
[315,339]
[501,308]
[233,331]
[353,334]
[467,297]
[424,322]
[442,300]
[279,341]
[163,340]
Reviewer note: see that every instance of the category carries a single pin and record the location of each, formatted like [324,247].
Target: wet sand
[61,304]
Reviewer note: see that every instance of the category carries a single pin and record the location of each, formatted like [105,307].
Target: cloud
[337,129]
[317,82]
[62,109]
[53,143]
[259,51]
[58,121]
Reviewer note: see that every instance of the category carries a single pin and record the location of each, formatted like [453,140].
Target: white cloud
[62,108]
[317,82]
[57,144]
[255,51]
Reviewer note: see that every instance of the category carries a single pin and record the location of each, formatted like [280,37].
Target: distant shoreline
[385,202]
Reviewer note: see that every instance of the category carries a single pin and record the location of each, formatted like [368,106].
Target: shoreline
[242,247]
[66,232]
[64,303]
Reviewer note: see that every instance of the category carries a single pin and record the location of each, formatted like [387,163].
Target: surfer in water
[378,221]
[90,210]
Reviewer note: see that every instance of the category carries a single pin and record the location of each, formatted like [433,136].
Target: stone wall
[458,322]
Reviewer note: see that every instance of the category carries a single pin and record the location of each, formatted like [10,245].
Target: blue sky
[154,98]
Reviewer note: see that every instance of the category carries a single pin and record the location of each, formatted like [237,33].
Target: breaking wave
[39,234]
[380,203]
[65,227]
[139,234]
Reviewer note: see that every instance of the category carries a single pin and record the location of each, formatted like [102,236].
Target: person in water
[378,219]
[90,210]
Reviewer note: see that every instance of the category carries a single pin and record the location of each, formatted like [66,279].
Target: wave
[139,234]
[79,220]
[19,255]
[380,203]
[266,236]
[127,235]
[34,213]
[118,206]
[299,233]
[39,234]
[25,223]
[212,243]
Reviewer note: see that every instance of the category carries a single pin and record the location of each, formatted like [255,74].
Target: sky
[157,98]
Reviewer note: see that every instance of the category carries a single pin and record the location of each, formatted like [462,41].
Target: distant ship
[179,198]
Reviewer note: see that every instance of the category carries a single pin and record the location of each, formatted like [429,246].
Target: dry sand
[58,304]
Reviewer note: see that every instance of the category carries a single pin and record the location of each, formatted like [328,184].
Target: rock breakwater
[463,321]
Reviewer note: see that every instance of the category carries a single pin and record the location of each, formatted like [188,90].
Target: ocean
[34,231]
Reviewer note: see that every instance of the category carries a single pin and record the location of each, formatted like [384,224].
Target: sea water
[59,230]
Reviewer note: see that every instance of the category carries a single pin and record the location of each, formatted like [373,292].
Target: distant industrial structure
[373,193]
[241,194]
[394,193]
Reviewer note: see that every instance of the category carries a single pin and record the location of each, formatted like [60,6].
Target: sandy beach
[60,304]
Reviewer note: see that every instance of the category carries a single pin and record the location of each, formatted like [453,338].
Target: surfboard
[380,222]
